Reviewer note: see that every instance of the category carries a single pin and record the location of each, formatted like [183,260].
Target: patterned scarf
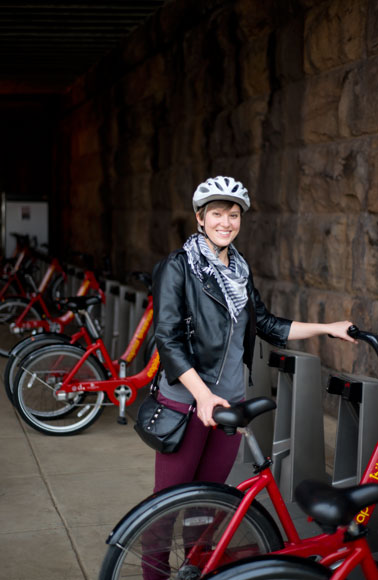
[232,280]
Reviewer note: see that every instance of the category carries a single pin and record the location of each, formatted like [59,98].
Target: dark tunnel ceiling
[45,46]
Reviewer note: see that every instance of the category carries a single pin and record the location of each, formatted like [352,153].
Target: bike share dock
[294,435]
[357,431]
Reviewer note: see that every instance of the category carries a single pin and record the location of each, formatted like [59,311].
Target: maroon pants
[206,454]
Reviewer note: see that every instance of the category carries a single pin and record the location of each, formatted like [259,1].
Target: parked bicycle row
[61,382]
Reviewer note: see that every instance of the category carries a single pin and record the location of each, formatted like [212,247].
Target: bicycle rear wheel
[10,310]
[272,568]
[40,377]
[22,349]
[173,534]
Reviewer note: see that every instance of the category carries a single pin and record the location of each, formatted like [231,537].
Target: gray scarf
[232,280]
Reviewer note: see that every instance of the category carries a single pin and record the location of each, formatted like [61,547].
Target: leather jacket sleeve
[269,327]
[168,290]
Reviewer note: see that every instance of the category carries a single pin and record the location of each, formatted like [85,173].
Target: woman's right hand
[205,406]
[205,399]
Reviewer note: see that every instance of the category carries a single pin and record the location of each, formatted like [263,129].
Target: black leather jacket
[193,326]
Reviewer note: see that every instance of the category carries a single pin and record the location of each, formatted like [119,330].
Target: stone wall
[282,95]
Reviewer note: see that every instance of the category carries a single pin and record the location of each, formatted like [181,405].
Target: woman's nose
[225,220]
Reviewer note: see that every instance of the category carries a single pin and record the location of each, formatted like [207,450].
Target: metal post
[357,427]
[111,293]
[261,387]
[298,441]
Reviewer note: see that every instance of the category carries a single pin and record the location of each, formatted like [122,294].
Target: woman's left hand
[340,330]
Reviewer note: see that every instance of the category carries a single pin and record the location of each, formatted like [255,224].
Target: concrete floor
[61,496]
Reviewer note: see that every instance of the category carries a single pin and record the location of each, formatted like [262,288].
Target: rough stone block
[334,178]
[372,27]
[320,108]
[247,121]
[323,257]
[332,34]
[254,16]
[358,109]
[254,67]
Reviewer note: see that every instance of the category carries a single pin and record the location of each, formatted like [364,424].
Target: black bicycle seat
[76,303]
[241,414]
[331,506]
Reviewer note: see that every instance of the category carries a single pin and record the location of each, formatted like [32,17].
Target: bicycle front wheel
[174,533]
[41,375]
[272,568]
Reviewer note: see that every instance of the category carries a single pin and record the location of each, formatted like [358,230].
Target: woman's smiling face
[221,222]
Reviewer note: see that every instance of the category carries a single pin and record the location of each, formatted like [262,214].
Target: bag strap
[155,387]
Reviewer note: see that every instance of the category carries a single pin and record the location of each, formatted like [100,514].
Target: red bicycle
[14,282]
[189,530]
[62,389]
[33,314]
[334,510]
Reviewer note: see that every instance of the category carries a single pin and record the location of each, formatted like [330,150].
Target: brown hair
[224,204]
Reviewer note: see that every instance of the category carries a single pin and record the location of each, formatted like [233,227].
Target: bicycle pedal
[122,420]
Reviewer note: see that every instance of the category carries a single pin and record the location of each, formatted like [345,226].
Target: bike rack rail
[298,439]
[357,427]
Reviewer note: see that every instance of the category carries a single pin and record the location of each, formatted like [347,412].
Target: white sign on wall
[27,218]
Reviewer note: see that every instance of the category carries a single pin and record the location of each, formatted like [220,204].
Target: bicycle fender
[159,501]
[264,566]
[37,338]
[167,497]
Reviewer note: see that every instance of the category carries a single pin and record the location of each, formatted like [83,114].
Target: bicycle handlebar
[143,277]
[368,337]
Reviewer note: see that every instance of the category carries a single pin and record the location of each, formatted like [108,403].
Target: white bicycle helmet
[221,188]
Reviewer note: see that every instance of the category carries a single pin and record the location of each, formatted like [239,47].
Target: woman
[207,313]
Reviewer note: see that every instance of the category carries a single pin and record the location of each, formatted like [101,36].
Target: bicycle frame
[140,333]
[58,323]
[13,277]
[109,386]
[322,545]
[354,553]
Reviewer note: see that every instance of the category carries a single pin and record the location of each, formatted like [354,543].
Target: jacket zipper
[229,336]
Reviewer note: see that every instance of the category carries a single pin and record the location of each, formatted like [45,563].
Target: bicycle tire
[57,288]
[154,539]
[39,377]
[22,349]
[11,308]
[272,568]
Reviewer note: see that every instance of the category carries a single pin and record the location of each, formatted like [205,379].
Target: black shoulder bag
[161,428]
